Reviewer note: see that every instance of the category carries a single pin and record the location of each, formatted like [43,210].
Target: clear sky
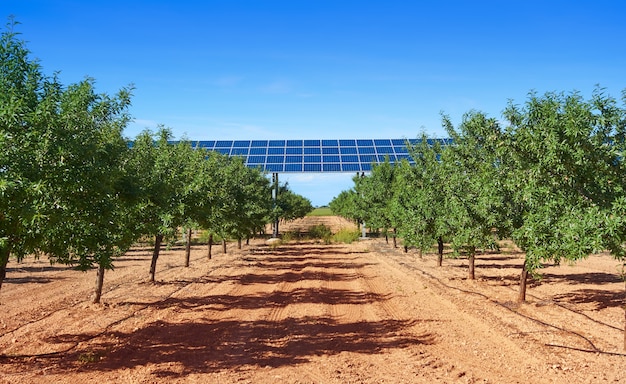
[317,69]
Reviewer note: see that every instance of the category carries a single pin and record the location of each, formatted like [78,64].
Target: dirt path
[312,313]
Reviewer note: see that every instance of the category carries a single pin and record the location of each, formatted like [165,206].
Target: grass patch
[347,236]
[323,211]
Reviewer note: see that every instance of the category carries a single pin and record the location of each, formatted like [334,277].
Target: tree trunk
[210,245]
[188,248]
[4,260]
[440,251]
[624,313]
[420,252]
[97,293]
[406,249]
[239,243]
[386,238]
[395,242]
[522,285]
[248,240]
[155,255]
[224,245]
[472,258]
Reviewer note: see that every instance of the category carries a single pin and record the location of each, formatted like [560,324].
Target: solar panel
[347,155]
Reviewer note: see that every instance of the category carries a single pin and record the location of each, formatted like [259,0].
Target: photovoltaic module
[350,155]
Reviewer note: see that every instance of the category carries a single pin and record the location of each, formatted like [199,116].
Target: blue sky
[324,69]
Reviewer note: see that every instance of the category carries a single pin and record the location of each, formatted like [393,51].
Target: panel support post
[275,198]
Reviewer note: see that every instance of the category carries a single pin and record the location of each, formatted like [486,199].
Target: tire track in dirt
[461,338]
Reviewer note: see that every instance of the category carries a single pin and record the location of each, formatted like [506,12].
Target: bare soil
[305,312]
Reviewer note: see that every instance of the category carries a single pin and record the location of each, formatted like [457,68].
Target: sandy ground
[306,312]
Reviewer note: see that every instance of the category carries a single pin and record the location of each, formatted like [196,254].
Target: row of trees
[72,188]
[553,180]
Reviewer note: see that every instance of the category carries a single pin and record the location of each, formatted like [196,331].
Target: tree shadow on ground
[215,345]
[594,278]
[601,299]
[32,279]
[278,299]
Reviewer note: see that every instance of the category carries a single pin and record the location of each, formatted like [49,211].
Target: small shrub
[289,236]
[322,232]
[346,235]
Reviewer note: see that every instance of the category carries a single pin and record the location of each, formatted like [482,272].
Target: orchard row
[551,177]
[74,190]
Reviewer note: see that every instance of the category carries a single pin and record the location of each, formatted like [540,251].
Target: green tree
[206,195]
[377,194]
[474,201]
[418,202]
[248,204]
[62,167]
[350,204]
[290,205]
[27,100]
[568,173]
[166,179]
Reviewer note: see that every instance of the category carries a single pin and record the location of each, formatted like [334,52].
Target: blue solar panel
[224,144]
[276,159]
[274,167]
[293,159]
[312,167]
[294,150]
[256,160]
[316,155]
[293,167]
[350,167]
[312,159]
[331,167]
[206,144]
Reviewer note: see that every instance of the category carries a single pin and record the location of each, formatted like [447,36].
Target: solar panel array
[353,155]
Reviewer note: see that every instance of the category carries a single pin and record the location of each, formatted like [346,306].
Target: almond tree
[568,172]
[474,202]
[62,167]
[377,195]
[165,178]
[248,202]
[24,110]
[418,198]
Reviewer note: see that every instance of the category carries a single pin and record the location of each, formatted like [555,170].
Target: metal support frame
[275,198]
